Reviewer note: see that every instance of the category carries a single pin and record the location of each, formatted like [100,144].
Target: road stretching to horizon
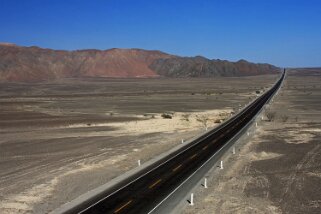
[144,191]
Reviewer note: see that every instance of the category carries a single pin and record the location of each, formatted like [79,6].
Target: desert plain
[277,168]
[61,139]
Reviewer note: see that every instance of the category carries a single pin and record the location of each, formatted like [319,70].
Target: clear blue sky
[281,32]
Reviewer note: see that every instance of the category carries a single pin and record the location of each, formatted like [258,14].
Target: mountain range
[34,64]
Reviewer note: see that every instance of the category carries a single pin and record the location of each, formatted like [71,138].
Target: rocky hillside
[202,67]
[23,64]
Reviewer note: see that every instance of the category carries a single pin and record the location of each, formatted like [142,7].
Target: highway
[141,192]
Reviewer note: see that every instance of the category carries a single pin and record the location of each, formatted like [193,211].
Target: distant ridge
[7,44]
[29,64]
[203,67]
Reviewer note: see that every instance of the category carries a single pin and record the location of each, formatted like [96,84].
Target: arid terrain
[64,138]
[34,64]
[277,169]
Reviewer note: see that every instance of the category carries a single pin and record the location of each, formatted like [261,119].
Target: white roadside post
[233,150]
[205,183]
[192,199]
[255,124]
[221,165]
[138,162]
[182,140]
[248,133]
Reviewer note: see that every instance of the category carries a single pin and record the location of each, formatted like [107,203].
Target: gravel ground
[277,169]
[62,139]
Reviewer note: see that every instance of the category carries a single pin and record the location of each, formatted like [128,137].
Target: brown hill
[36,64]
[25,64]
[202,67]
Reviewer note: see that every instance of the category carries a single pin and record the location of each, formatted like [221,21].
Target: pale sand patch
[314,174]
[299,135]
[134,128]
[14,207]
[263,155]
[24,202]
[313,130]
[181,121]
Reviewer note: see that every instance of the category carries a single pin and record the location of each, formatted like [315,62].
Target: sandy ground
[60,140]
[278,167]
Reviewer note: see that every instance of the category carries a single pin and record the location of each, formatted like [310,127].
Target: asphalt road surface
[142,192]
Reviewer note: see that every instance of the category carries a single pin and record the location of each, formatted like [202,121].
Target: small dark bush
[218,121]
[270,115]
[167,116]
[185,117]
[284,118]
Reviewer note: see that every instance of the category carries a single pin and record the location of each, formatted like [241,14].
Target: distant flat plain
[62,139]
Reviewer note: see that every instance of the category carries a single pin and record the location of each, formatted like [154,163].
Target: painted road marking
[155,183]
[193,156]
[176,168]
[122,207]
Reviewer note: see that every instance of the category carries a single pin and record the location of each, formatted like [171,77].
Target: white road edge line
[214,154]
[152,169]
[201,139]
[198,169]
